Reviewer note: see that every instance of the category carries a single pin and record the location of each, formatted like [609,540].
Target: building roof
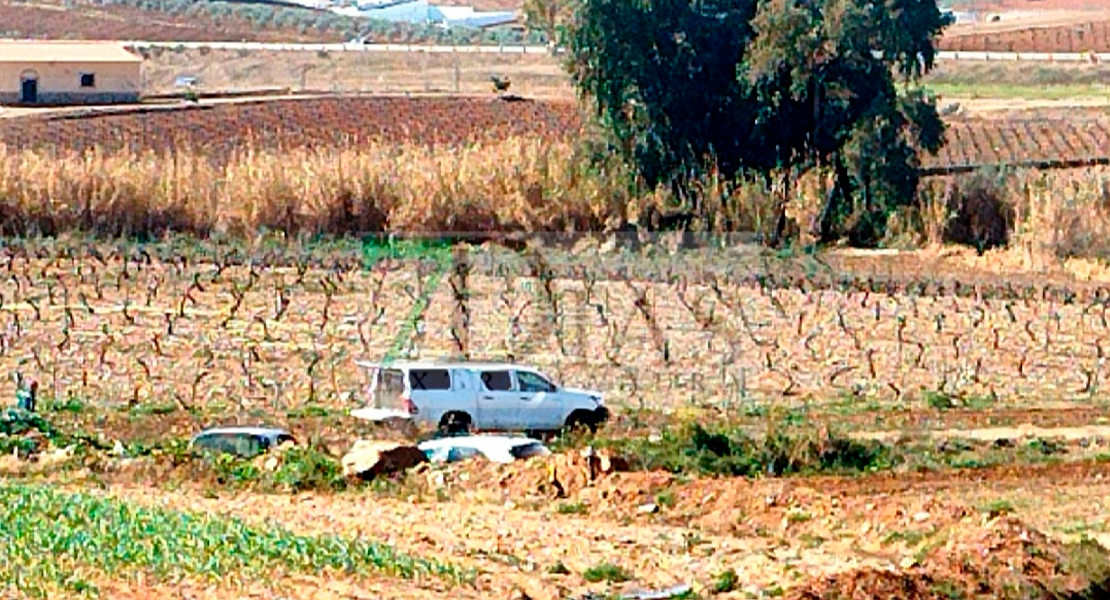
[34,51]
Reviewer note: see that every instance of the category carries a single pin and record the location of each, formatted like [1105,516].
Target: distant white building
[314,4]
[466,16]
[405,11]
[419,11]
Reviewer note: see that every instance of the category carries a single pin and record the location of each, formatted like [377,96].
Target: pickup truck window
[430,379]
[531,382]
[497,381]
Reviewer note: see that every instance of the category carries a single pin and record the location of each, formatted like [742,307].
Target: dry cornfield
[518,184]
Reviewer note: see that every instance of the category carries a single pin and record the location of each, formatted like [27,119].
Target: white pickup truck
[463,396]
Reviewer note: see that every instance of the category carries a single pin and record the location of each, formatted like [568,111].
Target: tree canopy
[761,86]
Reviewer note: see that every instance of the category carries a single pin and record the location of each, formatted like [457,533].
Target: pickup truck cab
[458,397]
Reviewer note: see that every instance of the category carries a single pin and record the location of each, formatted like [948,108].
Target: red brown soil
[456,120]
[1081,37]
[870,584]
[911,418]
[1005,554]
[52,20]
[1032,5]
[712,504]
[474,528]
[299,122]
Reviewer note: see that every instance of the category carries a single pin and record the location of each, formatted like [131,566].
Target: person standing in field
[26,396]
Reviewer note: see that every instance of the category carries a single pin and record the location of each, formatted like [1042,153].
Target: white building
[466,16]
[34,72]
[419,11]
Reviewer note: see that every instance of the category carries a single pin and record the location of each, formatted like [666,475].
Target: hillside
[188,21]
[51,19]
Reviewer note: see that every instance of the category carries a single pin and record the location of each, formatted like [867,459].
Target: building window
[88,80]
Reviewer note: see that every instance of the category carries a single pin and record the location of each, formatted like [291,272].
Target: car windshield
[239,444]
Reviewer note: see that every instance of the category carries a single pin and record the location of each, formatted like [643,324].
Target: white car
[458,397]
[495,448]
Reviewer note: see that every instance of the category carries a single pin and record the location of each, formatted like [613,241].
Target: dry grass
[532,75]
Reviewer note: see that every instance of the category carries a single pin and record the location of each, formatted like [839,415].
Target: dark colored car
[246,442]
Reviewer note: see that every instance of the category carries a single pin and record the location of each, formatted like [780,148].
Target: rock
[10,463]
[648,509]
[612,464]
[56,456]
[921,516]
[677,591]
[369,458]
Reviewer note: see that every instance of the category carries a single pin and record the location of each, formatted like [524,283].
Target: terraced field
[290,123]
[347,121]
[1091,36]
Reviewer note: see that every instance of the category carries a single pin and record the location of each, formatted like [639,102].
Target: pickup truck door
[538,405]
[468,389]
[496,399]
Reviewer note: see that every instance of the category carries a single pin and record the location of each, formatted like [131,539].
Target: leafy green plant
[608,572]
[111,535]
[234,471]
[725,582]
[572,508]
[307,468]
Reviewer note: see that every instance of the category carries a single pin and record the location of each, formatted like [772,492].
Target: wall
[60,83]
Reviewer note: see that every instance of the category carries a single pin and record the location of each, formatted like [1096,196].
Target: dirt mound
[870,583]
[1003,559]
[568,475]
[1008,557]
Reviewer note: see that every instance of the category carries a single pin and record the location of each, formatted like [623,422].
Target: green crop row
[112,536]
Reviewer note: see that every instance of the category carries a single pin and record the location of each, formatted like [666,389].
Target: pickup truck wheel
[581,420]
[455,423]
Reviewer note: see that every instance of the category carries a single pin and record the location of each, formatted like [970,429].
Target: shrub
[694,448]
[307,468]
[978,216]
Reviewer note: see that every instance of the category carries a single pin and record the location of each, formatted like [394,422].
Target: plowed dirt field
[224,127]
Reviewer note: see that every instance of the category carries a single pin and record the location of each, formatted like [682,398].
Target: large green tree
[767,86]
